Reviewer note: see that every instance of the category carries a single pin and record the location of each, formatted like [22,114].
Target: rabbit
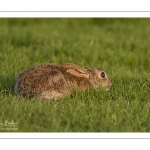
[51,81]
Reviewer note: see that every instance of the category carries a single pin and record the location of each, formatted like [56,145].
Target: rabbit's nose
[107,89]
[109,86]
[110,83]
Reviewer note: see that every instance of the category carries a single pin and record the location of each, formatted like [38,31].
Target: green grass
[119,46]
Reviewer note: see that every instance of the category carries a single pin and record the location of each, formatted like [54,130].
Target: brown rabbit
[52,81]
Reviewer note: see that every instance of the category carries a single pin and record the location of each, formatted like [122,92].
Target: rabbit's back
[33,81]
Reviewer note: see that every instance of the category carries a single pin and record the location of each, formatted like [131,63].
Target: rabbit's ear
[78,72]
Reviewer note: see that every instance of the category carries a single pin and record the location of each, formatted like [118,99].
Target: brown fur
[52,81]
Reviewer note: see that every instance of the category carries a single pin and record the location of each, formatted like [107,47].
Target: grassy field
[119,46]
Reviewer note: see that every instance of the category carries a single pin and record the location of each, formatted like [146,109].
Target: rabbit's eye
[103,75]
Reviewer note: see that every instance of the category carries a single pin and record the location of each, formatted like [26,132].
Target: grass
[119,46]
